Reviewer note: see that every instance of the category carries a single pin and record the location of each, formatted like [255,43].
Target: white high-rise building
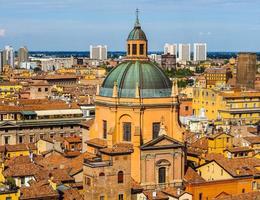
[8,56]
[170,49]
[98,52]
[200,52]
[184,52]
[1,61]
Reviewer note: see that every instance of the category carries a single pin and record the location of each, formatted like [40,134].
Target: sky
[73,25]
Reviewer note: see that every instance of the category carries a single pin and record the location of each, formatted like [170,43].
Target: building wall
[212,171]
[212,189]
[186,108]
[151,160]
[220,143]
[12,195]
[227,106]
[246,70]
[141,121]
[43,146]
[108,185]
[37,132]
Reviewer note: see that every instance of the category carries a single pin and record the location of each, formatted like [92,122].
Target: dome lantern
[137,42]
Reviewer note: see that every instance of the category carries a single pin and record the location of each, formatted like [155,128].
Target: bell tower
[137,44]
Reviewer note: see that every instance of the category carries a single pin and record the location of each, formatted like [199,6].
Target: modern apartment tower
[1,62]
[23,55]
[98,52]
[184,52]
[200,52]
[246,70]
[170,49]
[8,56]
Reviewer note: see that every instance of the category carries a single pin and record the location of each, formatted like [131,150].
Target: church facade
[137,115]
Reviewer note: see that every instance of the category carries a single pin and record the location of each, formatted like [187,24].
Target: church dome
[133,75]
[137,34]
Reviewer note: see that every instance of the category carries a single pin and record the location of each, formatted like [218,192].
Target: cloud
[2,32]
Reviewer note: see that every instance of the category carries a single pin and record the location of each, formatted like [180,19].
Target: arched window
[120,177]
[101,174]
[162,174]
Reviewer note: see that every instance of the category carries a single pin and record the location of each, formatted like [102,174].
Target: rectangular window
[7,139]
[156,129]
[200,196]
[120,197]
[46,89]
[31,138]
[39,89]
[127,131]
[23,180]
[134,49]
[104,129]
[186,108]
[20,139]
[88,181]
[128,49]
[141,49]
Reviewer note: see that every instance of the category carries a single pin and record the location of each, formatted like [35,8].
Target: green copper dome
[148,76]
[137,34]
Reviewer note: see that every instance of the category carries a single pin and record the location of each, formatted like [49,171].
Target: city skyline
[74,25]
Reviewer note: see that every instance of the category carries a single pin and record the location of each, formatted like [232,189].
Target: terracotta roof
[215,135]
[117,150]
[252,129]
[72,194]
[237,166]
[125,145]
[38,191]
[21,170]
[76,164]
[201,143]
[173,192]
[239,149]
[58,175]
[88,123]
[243,196]
[253,140]
[52,105]
[97,142]
[239,94]
[194,151]
[159,195]
[54,161]
[216,70]
[60,76]
[73,139]
[71,154]
[20,147]
[22,160]
[193,177]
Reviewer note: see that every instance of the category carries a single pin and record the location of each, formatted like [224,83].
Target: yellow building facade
[227,106]
[7,90]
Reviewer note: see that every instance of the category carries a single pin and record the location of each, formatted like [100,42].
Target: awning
[58,112]
[28,113]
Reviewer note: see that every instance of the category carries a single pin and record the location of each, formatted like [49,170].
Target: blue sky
[226,25]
